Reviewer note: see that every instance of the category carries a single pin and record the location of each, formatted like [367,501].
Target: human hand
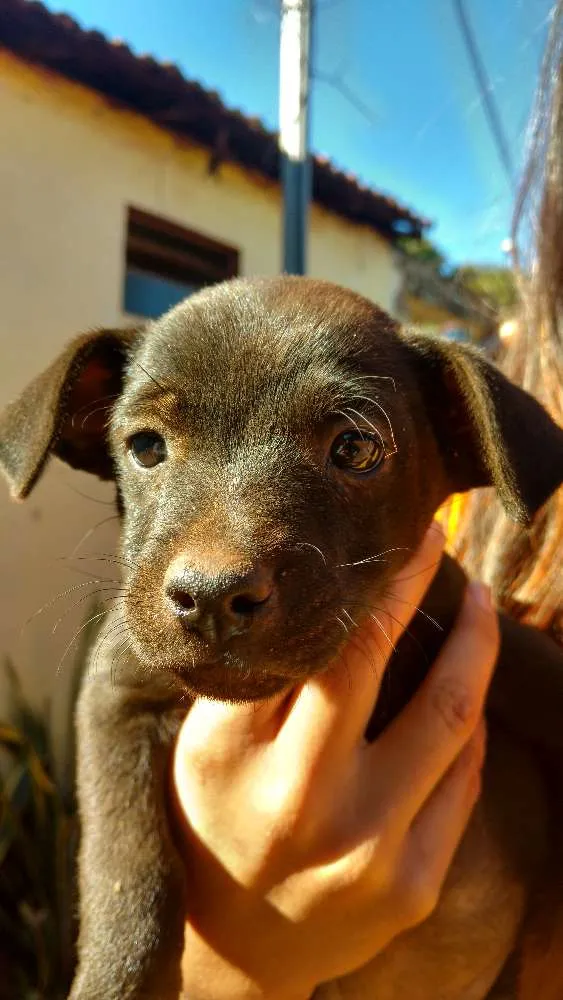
[309,850]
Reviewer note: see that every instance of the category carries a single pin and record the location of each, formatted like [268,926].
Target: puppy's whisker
[389,424]
[382,629]
[413,576]
[349,616]
[375,558]
[436,527]
[105,636]
[78,632]
[152,378]
[92,402]
[92,576]
[408,632]
[361,562]
[363,648]
[340,622]
[347,416]
[402,626]
[359,634]
[393,597]
[350,409]
[86,496]
[97,409]
[121,648]
[381,378]
[58,597]
[106,557]
[309,545]
[90,532]
[88,597]
[117,658]
[368,399]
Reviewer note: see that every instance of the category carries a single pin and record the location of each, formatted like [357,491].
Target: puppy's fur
[249,384]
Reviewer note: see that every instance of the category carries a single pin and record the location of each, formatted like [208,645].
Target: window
[165,263]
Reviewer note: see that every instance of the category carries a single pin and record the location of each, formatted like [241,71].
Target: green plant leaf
[10,735]
[38,837]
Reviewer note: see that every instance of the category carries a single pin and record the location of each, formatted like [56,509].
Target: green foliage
[37,844]
[422,249]
[38,839]
[496,285]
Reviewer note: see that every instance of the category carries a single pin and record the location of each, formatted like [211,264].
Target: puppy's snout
[221,604]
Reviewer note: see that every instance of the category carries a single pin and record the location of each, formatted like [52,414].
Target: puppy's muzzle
[219,605]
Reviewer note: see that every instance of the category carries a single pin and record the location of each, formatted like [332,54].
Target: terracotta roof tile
[160,92]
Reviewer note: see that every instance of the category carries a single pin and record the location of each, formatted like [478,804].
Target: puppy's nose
[218,605]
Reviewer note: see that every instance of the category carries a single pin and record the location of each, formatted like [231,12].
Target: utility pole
[295,78]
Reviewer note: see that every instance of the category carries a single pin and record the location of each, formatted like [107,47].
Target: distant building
[441,305]
[118,163]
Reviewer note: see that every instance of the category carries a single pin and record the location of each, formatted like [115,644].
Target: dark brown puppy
[279,447]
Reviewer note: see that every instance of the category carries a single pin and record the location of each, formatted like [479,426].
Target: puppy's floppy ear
[490,432]
[65,410]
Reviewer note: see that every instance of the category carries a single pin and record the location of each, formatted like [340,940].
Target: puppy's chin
[226,675]
[228,679]
[234,678]
[251,667]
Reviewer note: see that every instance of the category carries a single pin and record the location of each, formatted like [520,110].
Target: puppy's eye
[147,448]
[357,451]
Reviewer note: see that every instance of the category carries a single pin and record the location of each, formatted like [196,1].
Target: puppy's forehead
[248,345]
[285,321]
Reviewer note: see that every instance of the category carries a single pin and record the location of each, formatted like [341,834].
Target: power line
[337,82]
[485,89]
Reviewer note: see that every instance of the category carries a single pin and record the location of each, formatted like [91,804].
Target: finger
[331,711]
[419,746]
[438,829]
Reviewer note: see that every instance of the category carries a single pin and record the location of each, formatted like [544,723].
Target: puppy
[279,449]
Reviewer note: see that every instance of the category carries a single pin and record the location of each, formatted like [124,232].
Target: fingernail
[481,594]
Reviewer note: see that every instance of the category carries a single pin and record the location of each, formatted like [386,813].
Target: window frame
[181,255]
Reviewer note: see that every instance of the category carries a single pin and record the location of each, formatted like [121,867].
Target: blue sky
[424,139]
